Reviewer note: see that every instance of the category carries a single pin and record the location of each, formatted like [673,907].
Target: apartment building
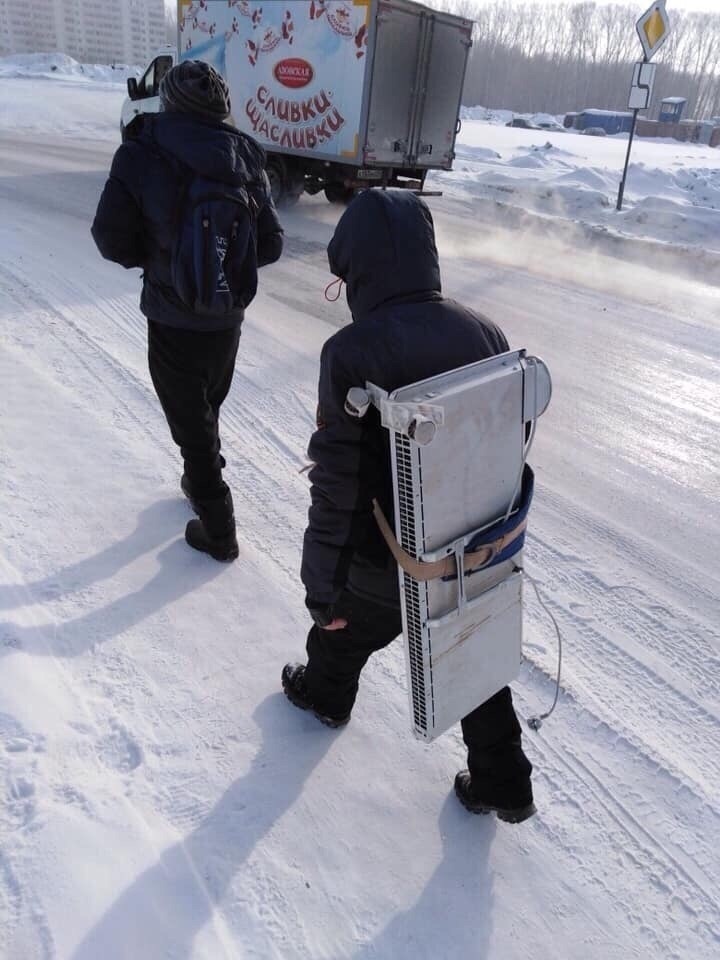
[92,31]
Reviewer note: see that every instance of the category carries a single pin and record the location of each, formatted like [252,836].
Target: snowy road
[161,798]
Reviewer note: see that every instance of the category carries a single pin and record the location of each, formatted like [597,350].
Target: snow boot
[186,486]
[293,684]
[187,490]
[511,805]
[214,530]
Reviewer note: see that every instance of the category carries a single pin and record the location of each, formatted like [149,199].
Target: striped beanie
[193,86]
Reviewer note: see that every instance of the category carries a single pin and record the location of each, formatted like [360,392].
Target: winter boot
[214,530]
[293,683]
[187,490]
[511,804]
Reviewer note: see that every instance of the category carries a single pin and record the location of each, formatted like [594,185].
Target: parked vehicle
[342,94]
[551,125]
[522,123]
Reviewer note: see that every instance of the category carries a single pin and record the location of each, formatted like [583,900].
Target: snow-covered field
[50,93]
[672,194]
[160,798]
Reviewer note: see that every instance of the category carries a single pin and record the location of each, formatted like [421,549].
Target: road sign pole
[653,28]
[621,191]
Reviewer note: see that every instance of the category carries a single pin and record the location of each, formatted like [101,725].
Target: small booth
[671,109]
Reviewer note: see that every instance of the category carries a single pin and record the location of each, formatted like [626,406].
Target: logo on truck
[293,72]
[340,19]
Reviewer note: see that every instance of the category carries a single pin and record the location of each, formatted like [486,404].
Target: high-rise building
[92,31]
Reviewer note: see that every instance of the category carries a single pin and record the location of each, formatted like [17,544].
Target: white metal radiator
[459,442]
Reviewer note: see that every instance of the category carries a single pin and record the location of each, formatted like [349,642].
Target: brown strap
[446,567]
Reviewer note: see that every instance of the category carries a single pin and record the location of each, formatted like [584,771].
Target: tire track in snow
[257,491]
[591,785]
[89,355]
[681,576]
[676,729]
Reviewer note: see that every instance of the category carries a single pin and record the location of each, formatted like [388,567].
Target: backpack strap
[485,548]
[185,176]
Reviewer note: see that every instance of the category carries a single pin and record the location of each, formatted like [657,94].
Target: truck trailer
[342,94]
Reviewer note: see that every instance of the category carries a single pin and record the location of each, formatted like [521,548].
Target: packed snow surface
[160,797]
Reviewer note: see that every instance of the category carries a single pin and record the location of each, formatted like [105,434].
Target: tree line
[559,57]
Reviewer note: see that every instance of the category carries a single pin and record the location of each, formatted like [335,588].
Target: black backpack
[213,260]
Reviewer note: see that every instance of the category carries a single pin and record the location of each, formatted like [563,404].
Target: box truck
[342,94]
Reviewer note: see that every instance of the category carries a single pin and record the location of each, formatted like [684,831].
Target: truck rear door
[419,60]
[396,51]
[448,42]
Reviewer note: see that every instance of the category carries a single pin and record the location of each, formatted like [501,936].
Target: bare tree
[567,56]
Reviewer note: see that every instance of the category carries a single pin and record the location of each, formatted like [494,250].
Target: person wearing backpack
[189,202]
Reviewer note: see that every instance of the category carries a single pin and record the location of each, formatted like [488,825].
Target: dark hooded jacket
[404,330]
[136,218]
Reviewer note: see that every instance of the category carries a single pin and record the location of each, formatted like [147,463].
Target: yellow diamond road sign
[653,28]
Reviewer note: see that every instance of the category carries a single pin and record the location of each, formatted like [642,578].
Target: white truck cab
[143,94]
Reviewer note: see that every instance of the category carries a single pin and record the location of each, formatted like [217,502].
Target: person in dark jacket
[191,355]
[404,331]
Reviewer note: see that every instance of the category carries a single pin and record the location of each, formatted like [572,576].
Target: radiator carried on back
[459,443]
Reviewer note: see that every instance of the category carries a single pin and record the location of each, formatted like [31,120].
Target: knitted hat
[193,86]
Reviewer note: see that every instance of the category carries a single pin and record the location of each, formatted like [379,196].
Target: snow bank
[499,116]
[59,65]
[52,95]
[672,195]
[485,114]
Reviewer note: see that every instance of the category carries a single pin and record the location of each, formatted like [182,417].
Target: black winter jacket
[135,220]
[404,330]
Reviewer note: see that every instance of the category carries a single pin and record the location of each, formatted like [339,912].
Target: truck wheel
[339,193]
[277,175]
[294,187]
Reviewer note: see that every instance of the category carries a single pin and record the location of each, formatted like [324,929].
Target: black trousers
[336,658]
[192,373]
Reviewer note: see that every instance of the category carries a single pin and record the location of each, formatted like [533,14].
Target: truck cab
[144,94]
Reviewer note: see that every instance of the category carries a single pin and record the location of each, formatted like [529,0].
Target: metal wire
[537,721]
